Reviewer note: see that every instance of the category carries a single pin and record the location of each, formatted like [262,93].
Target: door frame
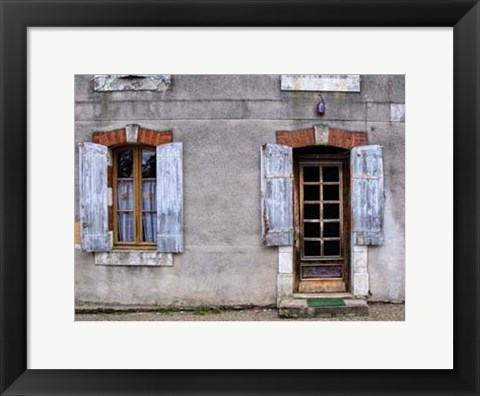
[322,285]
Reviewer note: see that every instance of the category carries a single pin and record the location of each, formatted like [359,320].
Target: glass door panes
[321,212]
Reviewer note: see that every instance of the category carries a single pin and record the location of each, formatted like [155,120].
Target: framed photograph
[77,127]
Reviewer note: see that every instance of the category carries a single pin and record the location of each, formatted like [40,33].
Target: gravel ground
[377,312]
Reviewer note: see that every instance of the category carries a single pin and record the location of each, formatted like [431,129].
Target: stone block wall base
[360,284]
[284,286]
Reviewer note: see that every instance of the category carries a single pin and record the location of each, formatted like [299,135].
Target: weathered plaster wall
[222,121]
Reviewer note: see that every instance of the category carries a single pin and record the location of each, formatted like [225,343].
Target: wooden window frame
[137,244]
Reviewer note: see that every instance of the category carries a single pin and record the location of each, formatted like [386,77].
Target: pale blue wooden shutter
[93,197]
[367,195]
[277,195]
[170,198]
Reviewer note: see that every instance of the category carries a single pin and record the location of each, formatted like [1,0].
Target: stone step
[299,308]
[324,295]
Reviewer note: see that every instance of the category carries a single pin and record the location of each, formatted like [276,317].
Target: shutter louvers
[367,195]
[93,197]
[277,195]
[170,198]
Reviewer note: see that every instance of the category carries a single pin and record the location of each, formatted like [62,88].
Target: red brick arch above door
[322,135]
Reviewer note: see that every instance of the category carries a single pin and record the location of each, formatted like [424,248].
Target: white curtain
[125,203]
[149,207]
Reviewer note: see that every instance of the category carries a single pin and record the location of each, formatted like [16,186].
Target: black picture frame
[17,16]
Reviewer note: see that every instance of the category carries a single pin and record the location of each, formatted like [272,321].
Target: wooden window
[147,192]
[134,197]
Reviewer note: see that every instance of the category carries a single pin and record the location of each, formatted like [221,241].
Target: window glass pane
[322,272]
[331,230]
[149,195]
[149,225]
[331,192]
[125,226]
[125,164]
[124,195]
[331,248]
[311,174]
[331,211]
[330,174]
[311,211]
[311,248]
[311,230]
[311,193]
[149,165]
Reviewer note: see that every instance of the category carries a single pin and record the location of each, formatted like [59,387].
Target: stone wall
[222,121]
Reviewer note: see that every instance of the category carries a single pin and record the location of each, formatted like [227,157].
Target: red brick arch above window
[154,138]
[110,138]
[322,135]
[132,134]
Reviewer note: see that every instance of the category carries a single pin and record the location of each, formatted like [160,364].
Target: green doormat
[325,302]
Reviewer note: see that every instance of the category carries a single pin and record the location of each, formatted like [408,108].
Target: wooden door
[323,215]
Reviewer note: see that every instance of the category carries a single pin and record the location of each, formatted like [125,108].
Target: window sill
[134,258]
